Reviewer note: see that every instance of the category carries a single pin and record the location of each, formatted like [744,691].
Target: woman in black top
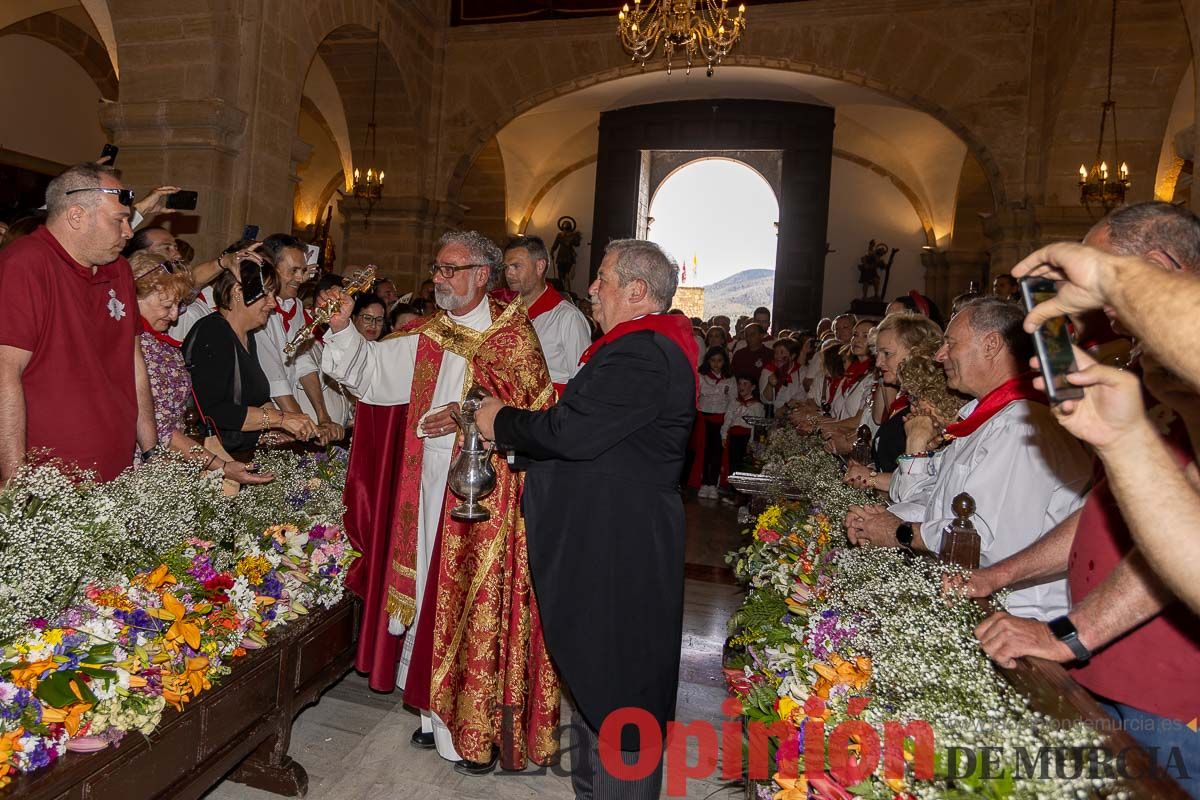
[231,389]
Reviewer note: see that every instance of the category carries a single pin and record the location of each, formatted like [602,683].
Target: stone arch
[975,145]
[88,53]
[914,199]
[759,166]
[399,115]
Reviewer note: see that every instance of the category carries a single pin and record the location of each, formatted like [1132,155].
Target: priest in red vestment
[472,655]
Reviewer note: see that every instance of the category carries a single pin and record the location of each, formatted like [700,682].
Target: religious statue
[871,265]
[563,249]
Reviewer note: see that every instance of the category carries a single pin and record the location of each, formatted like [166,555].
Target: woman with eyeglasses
[161,288]
[370,317]
[231,389]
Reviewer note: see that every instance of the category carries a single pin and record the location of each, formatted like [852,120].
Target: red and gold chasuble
[479,661]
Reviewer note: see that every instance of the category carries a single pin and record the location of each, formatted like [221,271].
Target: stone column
[398,236]
[188,143]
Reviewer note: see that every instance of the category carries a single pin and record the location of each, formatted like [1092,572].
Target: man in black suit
[604,517]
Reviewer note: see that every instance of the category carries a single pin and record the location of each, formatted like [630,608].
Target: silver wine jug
[472,476]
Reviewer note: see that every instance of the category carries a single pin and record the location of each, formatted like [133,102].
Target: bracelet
[266,420]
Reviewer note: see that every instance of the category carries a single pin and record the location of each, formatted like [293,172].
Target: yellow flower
[9,743]
[786,706]
[254,568]
[53,636]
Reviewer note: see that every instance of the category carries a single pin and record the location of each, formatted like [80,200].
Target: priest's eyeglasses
[447,270]
[124,196]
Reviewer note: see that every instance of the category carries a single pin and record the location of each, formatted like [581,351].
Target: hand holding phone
[1053,342]
[182,201]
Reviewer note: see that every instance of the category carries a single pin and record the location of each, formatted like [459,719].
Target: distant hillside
[740,293]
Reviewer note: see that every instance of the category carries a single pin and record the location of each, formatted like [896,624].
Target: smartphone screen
[182,201]
[109,151]
[250,233]
[253,288]
[1053,342]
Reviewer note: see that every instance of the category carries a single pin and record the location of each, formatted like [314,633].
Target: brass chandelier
[1100,185]
[705,34]
[367,191]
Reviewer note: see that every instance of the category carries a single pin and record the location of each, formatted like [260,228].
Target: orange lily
[70,717]
[855,674]
[9,743]
[179,688]
[27,677]
[181,630]
[160,575]
[793,788]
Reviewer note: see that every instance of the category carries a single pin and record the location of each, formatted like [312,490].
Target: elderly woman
[161,287]
[231,389]
[930,406]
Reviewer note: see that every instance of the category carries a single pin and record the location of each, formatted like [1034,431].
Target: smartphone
[253,288]
[1053,342]
[182,201]
[109,151]
[312,255]
[250,233]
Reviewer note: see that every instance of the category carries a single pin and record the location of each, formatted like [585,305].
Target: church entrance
[718,218]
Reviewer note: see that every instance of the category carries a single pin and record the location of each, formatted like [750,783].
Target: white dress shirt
[715,393]
[1026,475]
[284,372]
[192,313]
[848,402]
[735,415]
[564,334]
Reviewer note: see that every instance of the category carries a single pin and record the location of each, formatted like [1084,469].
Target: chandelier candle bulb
[1082,174]
[1123,172]
[1104,170]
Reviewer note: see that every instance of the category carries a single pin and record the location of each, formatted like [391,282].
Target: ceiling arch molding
[76,43]
[922,211]
[977,147]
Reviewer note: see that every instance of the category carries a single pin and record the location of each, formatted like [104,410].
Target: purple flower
[39,623]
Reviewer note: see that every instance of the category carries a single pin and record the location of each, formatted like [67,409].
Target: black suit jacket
[605,523]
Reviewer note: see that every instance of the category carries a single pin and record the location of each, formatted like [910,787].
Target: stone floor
[354,742]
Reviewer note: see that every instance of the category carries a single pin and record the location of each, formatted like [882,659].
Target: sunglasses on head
[169,267]
[124,196]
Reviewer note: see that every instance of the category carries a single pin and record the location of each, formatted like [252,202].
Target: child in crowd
[717,390]
[735,431]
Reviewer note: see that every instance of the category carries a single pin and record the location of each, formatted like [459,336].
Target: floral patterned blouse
[170,384]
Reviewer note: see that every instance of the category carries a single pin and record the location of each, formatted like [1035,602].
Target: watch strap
[1064,630]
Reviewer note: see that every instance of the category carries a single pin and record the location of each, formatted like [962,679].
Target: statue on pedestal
[871,265]
[563,249]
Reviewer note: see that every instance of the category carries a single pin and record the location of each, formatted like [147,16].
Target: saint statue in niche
[563,249]
[871,265]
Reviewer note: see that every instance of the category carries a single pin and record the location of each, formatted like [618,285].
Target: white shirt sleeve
[270,358]
[379,373]
[576,337]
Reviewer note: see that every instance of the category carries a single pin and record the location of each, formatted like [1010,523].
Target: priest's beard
[446,299]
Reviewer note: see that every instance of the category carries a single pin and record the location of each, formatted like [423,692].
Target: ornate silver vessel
[472,476]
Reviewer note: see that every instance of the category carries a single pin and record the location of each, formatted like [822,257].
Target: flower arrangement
[831,634]
[158,615]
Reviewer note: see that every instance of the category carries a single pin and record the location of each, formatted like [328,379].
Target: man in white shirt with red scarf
[297,382]
[1024,471]
[561,327]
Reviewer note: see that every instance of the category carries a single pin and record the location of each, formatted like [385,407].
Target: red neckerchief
[546,301]
[898,405]
[992,403]
[162,337]
[853,374]
[286,316]
[675,327]
[502,294]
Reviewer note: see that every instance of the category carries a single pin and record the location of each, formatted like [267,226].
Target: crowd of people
[116,343]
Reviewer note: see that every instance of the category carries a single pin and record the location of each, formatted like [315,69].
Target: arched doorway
[717,218]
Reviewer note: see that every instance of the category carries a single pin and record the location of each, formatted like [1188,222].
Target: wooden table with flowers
[172,633]
[844,642]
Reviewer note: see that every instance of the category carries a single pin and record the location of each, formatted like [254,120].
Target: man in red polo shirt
[1134,645]
[73,384]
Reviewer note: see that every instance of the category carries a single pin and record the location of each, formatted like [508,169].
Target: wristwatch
[1064,630]
[904,534]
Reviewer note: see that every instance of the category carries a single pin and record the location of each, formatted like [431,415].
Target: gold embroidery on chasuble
[492,681]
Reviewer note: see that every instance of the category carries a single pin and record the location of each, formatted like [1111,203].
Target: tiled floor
[354,742]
